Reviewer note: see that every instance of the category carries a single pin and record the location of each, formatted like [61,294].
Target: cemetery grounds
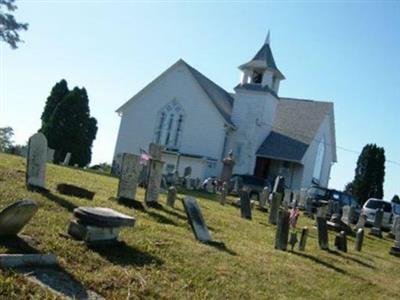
[159,257]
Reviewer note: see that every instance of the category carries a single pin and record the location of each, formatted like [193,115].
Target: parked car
[253,183]
[372,205]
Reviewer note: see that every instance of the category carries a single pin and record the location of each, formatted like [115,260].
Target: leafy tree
[6,134]
[396,199]
[71,129]
[57,94]
[369,173]
[9,27]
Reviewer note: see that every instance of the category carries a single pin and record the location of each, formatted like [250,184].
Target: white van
[372,205]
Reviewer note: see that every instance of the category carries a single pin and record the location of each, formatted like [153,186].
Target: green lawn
[160,258]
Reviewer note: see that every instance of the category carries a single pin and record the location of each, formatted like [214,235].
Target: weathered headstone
[98,224]
[50,155]
[275,204]
[15,216]
[322,233]
[36,161]
[187,172]
[154,182]
[245,206]
[155,151]
[303,239]
[171,197]
[303,197]
[196,219]
[359,239]
[224,193]
[376,230]
[282,230]
[197,184]
[227,168]
[287,196]
[322,211]
[395,225]
[264,197]
[67,159]
[293,240]
[295,198]
[346,214]
[395,250]
[309,207]
[362,219]
[341,241]
[279,185]
[129,176]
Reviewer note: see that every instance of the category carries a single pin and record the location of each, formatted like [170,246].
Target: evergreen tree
[9,27]
[6,134]
[70,127]
[396,199]
[369,173]
[57,94]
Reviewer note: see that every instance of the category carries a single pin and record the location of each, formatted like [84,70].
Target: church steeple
[262,70]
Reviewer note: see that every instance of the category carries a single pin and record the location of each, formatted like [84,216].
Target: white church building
[199,123]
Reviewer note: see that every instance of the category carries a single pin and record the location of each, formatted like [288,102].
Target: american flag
[294,215]
[144,155]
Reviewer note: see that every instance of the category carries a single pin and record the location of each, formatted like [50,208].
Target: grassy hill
[161,259]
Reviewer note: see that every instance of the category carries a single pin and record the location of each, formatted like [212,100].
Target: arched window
[319,159]
[169,126]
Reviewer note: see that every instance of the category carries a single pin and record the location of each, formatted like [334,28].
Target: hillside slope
[160,258]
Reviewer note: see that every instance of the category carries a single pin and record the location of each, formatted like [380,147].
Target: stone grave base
[90,234]
[376,232]
[395,251]
[72,190]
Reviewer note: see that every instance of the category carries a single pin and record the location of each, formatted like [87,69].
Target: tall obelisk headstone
[227,169]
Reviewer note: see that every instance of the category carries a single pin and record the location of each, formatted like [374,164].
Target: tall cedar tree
[369,173]
[71,129]
[57,94]
[396,199]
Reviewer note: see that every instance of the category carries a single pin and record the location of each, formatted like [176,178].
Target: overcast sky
[343,52]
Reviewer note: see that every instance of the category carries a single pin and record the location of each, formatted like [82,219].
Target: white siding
[203,131]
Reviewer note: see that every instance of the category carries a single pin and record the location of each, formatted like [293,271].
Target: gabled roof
[296,123]
[222,100]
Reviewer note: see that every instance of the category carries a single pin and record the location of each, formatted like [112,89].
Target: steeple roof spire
[267,38]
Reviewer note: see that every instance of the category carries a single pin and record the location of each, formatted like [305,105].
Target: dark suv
[253,183]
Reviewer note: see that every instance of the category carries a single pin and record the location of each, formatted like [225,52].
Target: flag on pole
[144,155]
[294,215]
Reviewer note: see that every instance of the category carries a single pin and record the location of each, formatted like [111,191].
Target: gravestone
[245,205]
[287,196]
[295,198]
[395,250]
[275,204]
[50,155]
[171,197]
[197,184]
[303,239]
[322,211]
[309,207]
[227,168]
[98,224]
[376,230]
[359,239]
[293,240]
[36,162]
[264,197]
[322,229]
[279,185]
[155,151]
[224,193]
[346,214]
[396,223]
[67,159]
[187,172]
[362,219]
[129,176]
[15,216]
[303,197]
[196,219]
[154,182]
[341,241]
[282,230]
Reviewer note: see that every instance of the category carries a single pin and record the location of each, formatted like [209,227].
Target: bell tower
[261,72]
